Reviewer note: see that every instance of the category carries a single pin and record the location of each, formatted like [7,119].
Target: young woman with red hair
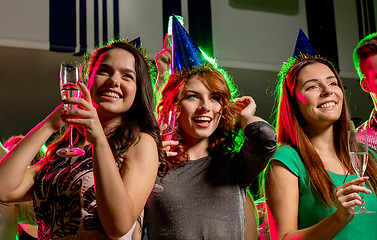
[204,191]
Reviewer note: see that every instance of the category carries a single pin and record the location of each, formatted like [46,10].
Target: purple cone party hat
[303,46]
[185,53]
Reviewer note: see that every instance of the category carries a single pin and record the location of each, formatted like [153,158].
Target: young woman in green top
[311,188]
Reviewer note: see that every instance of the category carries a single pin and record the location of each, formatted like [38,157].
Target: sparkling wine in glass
[70,76]
[358,151]
[166,121]
[167,118]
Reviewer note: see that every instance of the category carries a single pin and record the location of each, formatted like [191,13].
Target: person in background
[311,188]
[365,60]
[101,194]
[18,219]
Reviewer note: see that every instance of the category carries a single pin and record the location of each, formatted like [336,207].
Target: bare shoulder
[279,170]
[144,149]
[142,158]
[146,140]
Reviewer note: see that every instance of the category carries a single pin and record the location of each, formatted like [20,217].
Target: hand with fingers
[54,120]
[167,145]
[348,198]
[84,116]
[246,108]
[163,62]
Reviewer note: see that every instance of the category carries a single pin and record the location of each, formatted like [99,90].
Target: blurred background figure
[365,60]
[17,220]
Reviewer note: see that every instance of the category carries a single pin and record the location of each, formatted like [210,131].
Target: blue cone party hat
[136,42]
[303,46]
[185,53]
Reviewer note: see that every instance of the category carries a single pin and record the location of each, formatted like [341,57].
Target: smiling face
[200,110]
[318,95]
[113,83]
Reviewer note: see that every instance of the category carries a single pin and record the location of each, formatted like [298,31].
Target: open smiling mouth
[326,105]
[110,94]
[202,119]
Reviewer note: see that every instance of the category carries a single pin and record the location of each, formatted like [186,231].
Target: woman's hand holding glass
[167,144]
[85,116]
[166,122]
[348,197]
[358,151]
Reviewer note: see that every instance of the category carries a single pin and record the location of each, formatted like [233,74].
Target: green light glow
[234,91]
[6,150]
[44,149]
[170,26]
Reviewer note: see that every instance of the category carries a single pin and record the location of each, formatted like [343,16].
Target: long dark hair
[224,139]
[139,117]
[290,131]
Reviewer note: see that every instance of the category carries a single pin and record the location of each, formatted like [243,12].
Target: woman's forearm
[13,166]
[121,197]
[328,228]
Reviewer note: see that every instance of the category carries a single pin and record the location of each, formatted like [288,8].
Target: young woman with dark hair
[99,195]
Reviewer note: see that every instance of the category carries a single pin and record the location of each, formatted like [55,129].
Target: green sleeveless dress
[311,211]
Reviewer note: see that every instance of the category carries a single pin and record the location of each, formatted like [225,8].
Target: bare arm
[16,179]
[163,62]
[120,198]
[283,200]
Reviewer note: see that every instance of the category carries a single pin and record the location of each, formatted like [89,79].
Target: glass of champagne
[166,121]
[358,151]
[167,118]
[70,76]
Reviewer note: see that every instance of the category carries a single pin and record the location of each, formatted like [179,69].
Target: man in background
[365,60]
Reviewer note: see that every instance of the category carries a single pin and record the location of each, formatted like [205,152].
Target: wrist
[98,140]
[45,126]
[342,218]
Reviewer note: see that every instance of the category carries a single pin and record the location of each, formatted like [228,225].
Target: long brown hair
[223,140]
[139,118]
[290,131]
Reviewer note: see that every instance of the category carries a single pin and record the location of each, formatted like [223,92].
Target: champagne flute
[165,118]
[358,151]
[70,76]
